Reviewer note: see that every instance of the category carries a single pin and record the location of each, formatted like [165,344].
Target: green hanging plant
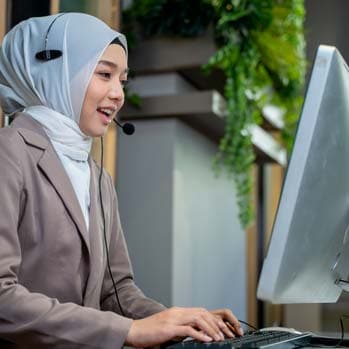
[262,56]
[261,53]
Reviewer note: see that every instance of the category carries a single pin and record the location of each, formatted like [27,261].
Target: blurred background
[196,206]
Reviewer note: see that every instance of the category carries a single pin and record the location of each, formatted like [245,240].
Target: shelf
[204,111]
[171,54]
[186,57]
[183,55]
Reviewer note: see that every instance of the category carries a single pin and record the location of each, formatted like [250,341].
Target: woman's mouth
[106,115]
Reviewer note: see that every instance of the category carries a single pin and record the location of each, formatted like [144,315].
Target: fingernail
[231,334]
[241,331]
[221,335]
[208,339]
[217,337]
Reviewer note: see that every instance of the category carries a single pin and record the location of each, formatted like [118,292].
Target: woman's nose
[116,91]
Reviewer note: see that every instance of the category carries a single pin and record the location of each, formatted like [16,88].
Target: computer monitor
[308,254]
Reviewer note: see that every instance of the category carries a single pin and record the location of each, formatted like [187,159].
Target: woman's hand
[175,322]
[228,323]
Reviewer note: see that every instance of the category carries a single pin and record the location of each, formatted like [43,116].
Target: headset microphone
[127,128]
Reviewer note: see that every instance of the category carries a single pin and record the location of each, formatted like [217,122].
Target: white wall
[180,221]
[209,244]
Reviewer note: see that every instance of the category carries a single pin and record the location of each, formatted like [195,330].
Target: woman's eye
[104,75]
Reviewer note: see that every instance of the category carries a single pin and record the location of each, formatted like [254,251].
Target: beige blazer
[55,290]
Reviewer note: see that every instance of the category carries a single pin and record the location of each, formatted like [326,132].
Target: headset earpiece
[48,55]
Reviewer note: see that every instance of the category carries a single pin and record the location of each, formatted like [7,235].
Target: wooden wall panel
[3,12]
[251,260]
[274,179]
[54,7]
[3,27]
[109,12]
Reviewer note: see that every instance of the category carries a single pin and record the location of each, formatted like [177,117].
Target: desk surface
[330,342]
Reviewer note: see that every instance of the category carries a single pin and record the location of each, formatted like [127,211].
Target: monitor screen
[308,255]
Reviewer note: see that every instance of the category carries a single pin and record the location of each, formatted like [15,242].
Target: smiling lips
[106,114]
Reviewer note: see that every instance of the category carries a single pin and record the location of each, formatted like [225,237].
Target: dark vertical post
[260,235]
[20,10]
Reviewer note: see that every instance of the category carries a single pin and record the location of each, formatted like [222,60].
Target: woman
[55,287]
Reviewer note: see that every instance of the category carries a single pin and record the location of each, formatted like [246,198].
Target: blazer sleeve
[33,320]
[133,302]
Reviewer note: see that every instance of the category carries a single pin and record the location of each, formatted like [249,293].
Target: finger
[238,330]
[230,318]
[216,323]
[225,329]
[188,331]
[202,319]
[208,327]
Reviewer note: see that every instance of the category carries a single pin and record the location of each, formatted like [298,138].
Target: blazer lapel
[55,172]
[52,167]
[98,258]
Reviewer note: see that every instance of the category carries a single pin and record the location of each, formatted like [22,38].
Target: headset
[128,128]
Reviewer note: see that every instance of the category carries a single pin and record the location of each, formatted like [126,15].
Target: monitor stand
[343,284]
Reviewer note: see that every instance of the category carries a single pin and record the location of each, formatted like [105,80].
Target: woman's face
[105,95]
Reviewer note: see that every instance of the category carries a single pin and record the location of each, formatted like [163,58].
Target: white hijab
[52,92]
